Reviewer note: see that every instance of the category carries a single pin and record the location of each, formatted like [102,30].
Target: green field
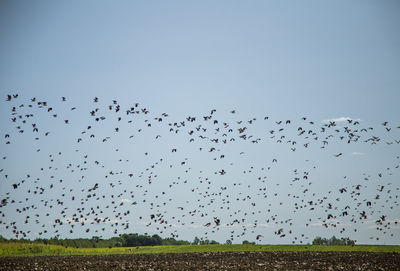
[15,249]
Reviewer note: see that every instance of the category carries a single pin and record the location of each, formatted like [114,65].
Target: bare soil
[211,261]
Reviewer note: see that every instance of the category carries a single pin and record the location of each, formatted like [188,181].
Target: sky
[285,60]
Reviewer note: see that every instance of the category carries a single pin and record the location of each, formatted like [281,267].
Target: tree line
[198,241]
[333,241]
[125,240]
[134,240]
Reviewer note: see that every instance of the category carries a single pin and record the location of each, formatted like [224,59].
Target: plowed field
[211,261]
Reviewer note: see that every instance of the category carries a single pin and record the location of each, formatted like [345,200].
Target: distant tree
[205,242]
[245,242]
[171,241]
[228,242]
[333,241]
[196,241]
[132,239]
[346,241]
[156,240]
[317,241]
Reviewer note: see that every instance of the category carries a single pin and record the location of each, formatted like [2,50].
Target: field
[204,257]
[15,249]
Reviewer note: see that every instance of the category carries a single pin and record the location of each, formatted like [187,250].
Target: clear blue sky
[287,59]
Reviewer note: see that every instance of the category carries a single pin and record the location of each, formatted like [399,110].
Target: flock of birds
[105,169]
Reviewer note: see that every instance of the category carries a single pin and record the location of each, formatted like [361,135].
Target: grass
[19,249]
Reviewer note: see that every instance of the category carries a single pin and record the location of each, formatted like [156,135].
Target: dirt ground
[211,261]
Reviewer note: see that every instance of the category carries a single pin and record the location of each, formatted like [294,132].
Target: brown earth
[211,261]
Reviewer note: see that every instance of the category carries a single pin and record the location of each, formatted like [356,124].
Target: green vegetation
[24,249]
[135,243]
[125,240]
[333,241]
[198,241]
